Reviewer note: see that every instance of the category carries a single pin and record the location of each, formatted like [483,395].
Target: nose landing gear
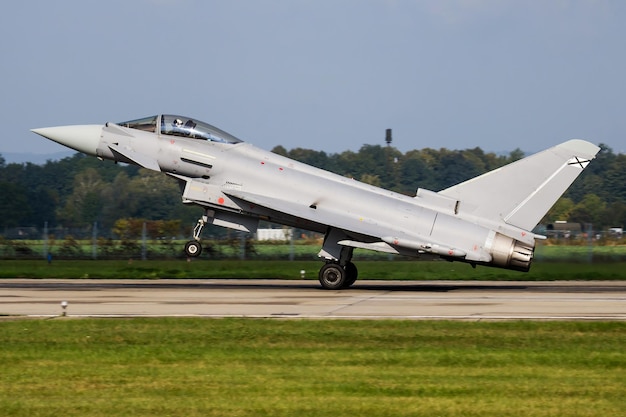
[193,248]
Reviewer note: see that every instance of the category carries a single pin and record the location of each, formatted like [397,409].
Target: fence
[243,247]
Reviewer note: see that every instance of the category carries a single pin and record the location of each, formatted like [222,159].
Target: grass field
[404,270]
[237,367]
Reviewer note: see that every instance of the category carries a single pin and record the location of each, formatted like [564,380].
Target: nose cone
[83,138]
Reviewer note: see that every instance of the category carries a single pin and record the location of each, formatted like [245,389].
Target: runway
[417,300]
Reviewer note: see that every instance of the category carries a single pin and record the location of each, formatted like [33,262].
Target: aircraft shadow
[274,284]
[213,283]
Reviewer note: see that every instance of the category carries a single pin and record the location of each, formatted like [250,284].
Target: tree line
[78,191]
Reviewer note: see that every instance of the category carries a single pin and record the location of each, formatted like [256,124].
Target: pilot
[177,127]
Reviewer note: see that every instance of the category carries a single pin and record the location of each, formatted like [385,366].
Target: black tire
[332,276]
[193,249]
[352,274]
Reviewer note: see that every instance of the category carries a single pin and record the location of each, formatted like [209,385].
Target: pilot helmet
[177,123]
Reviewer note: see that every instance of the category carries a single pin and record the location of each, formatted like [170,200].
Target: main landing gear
[333,276]
[339,272]
[193,248]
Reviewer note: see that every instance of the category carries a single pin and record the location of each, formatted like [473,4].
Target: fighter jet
[487,220]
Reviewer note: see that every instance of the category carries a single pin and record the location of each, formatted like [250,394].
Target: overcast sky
[324,75]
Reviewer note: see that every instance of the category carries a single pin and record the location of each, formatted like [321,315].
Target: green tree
[562,210]
[279,150]
[590,210]
[318,159]
[84,205]
[615,179]
[615,214]
[515,155]
[453,168]
[14,205]
[414,174]
[370,179]
[154,195]
[117,201]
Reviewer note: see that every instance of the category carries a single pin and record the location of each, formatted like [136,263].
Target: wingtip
[581,147]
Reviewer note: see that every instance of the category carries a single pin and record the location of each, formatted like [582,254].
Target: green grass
[302,250]
[237,367]
[580,253]
[404,270]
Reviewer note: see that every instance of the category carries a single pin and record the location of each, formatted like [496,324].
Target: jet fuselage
[484,221]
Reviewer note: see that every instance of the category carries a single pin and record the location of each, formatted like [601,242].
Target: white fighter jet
[487,220]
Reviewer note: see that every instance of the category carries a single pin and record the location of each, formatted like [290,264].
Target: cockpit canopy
[187,127]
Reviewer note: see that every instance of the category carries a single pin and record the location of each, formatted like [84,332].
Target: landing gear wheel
[193,248]
[332,276]
[351,274]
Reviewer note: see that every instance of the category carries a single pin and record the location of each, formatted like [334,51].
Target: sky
[327,75]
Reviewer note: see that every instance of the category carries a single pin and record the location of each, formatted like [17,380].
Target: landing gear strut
[193,248]
[339,272]
[351,274]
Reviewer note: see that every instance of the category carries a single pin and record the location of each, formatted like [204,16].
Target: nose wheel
[193,248]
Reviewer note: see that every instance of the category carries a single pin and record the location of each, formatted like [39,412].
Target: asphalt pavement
[417,300]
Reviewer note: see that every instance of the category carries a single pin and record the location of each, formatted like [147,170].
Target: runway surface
[419,300]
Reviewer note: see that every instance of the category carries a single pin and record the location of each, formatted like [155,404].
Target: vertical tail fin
[521,193]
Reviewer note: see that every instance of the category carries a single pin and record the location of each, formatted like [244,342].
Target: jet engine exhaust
[512,254]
